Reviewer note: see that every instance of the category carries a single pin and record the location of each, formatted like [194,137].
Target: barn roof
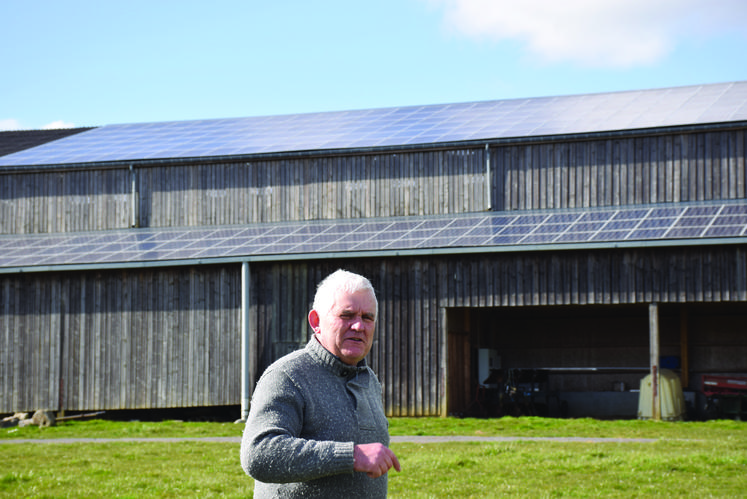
[19,140]
[677,224]
[395,127]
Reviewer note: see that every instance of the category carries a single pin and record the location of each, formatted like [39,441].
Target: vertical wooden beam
[653,317]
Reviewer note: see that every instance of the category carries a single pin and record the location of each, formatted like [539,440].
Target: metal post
[488,180]
[134,199]
[246,347]
[444,367]
[653,317]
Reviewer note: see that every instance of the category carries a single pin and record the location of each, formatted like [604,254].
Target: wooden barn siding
[623,171]
[64,201]
[120,340]
[418,183]
[29,344]
[407,352]
[607,172]
[412,183]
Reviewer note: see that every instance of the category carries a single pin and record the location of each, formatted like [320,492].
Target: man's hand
[374,459]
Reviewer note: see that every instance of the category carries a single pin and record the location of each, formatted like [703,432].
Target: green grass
[125,470]
[100,428]
[555,469]
[548,427]
[688,459]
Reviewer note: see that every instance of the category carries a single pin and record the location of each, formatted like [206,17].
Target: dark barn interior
[575,361]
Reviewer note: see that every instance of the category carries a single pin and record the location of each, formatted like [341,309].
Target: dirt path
[399,439]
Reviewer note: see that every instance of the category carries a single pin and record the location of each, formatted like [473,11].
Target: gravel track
[400,439]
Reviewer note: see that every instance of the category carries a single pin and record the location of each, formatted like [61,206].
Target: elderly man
[316,425]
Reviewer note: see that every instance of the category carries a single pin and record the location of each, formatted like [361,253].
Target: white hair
[340,280]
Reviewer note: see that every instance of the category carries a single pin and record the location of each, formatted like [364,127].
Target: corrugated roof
[401,126]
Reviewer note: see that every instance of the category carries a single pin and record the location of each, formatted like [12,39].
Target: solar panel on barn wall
[512,230]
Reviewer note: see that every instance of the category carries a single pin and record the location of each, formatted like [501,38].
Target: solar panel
[514,230]
[403,126]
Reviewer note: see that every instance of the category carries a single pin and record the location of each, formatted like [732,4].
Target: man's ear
[314,320]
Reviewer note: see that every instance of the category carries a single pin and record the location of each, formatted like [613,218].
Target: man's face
[347,330]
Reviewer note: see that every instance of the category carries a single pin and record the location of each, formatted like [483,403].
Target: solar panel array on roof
[511,230]
[401,126]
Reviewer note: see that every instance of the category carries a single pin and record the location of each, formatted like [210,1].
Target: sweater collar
[331,361]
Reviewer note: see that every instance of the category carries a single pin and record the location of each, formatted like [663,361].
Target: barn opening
[585,360]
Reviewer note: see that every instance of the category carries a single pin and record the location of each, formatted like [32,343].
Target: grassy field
[687,459]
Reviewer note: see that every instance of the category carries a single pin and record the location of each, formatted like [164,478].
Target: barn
[531,256]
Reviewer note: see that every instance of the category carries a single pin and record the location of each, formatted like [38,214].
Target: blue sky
[97,62]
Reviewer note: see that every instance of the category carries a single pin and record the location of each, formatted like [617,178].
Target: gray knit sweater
[308,411]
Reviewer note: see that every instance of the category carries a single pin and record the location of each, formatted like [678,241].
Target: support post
[653,317]
[246,343]
[134,199]
[488,179]
[444,367]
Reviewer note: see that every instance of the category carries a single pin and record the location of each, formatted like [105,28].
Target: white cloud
[600,33]
[13,124]
[9,124]
[58,124]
